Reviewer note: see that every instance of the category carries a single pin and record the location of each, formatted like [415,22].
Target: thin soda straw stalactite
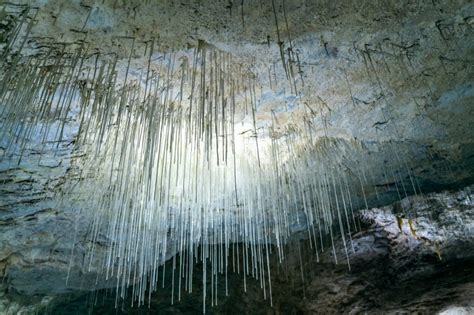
[176,163]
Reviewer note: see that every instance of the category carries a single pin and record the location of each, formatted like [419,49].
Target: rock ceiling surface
[394,74]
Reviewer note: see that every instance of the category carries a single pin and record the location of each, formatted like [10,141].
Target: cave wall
[396,76]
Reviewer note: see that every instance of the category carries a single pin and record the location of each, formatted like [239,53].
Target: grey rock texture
[414,265]
[395,75]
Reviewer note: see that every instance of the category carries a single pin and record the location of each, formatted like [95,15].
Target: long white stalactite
[176,163]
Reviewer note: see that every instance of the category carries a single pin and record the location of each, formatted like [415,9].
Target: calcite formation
[134,133]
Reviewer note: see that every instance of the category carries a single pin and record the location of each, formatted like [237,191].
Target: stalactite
[172,170]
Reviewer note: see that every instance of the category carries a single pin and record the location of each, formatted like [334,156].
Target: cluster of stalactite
[175,160]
